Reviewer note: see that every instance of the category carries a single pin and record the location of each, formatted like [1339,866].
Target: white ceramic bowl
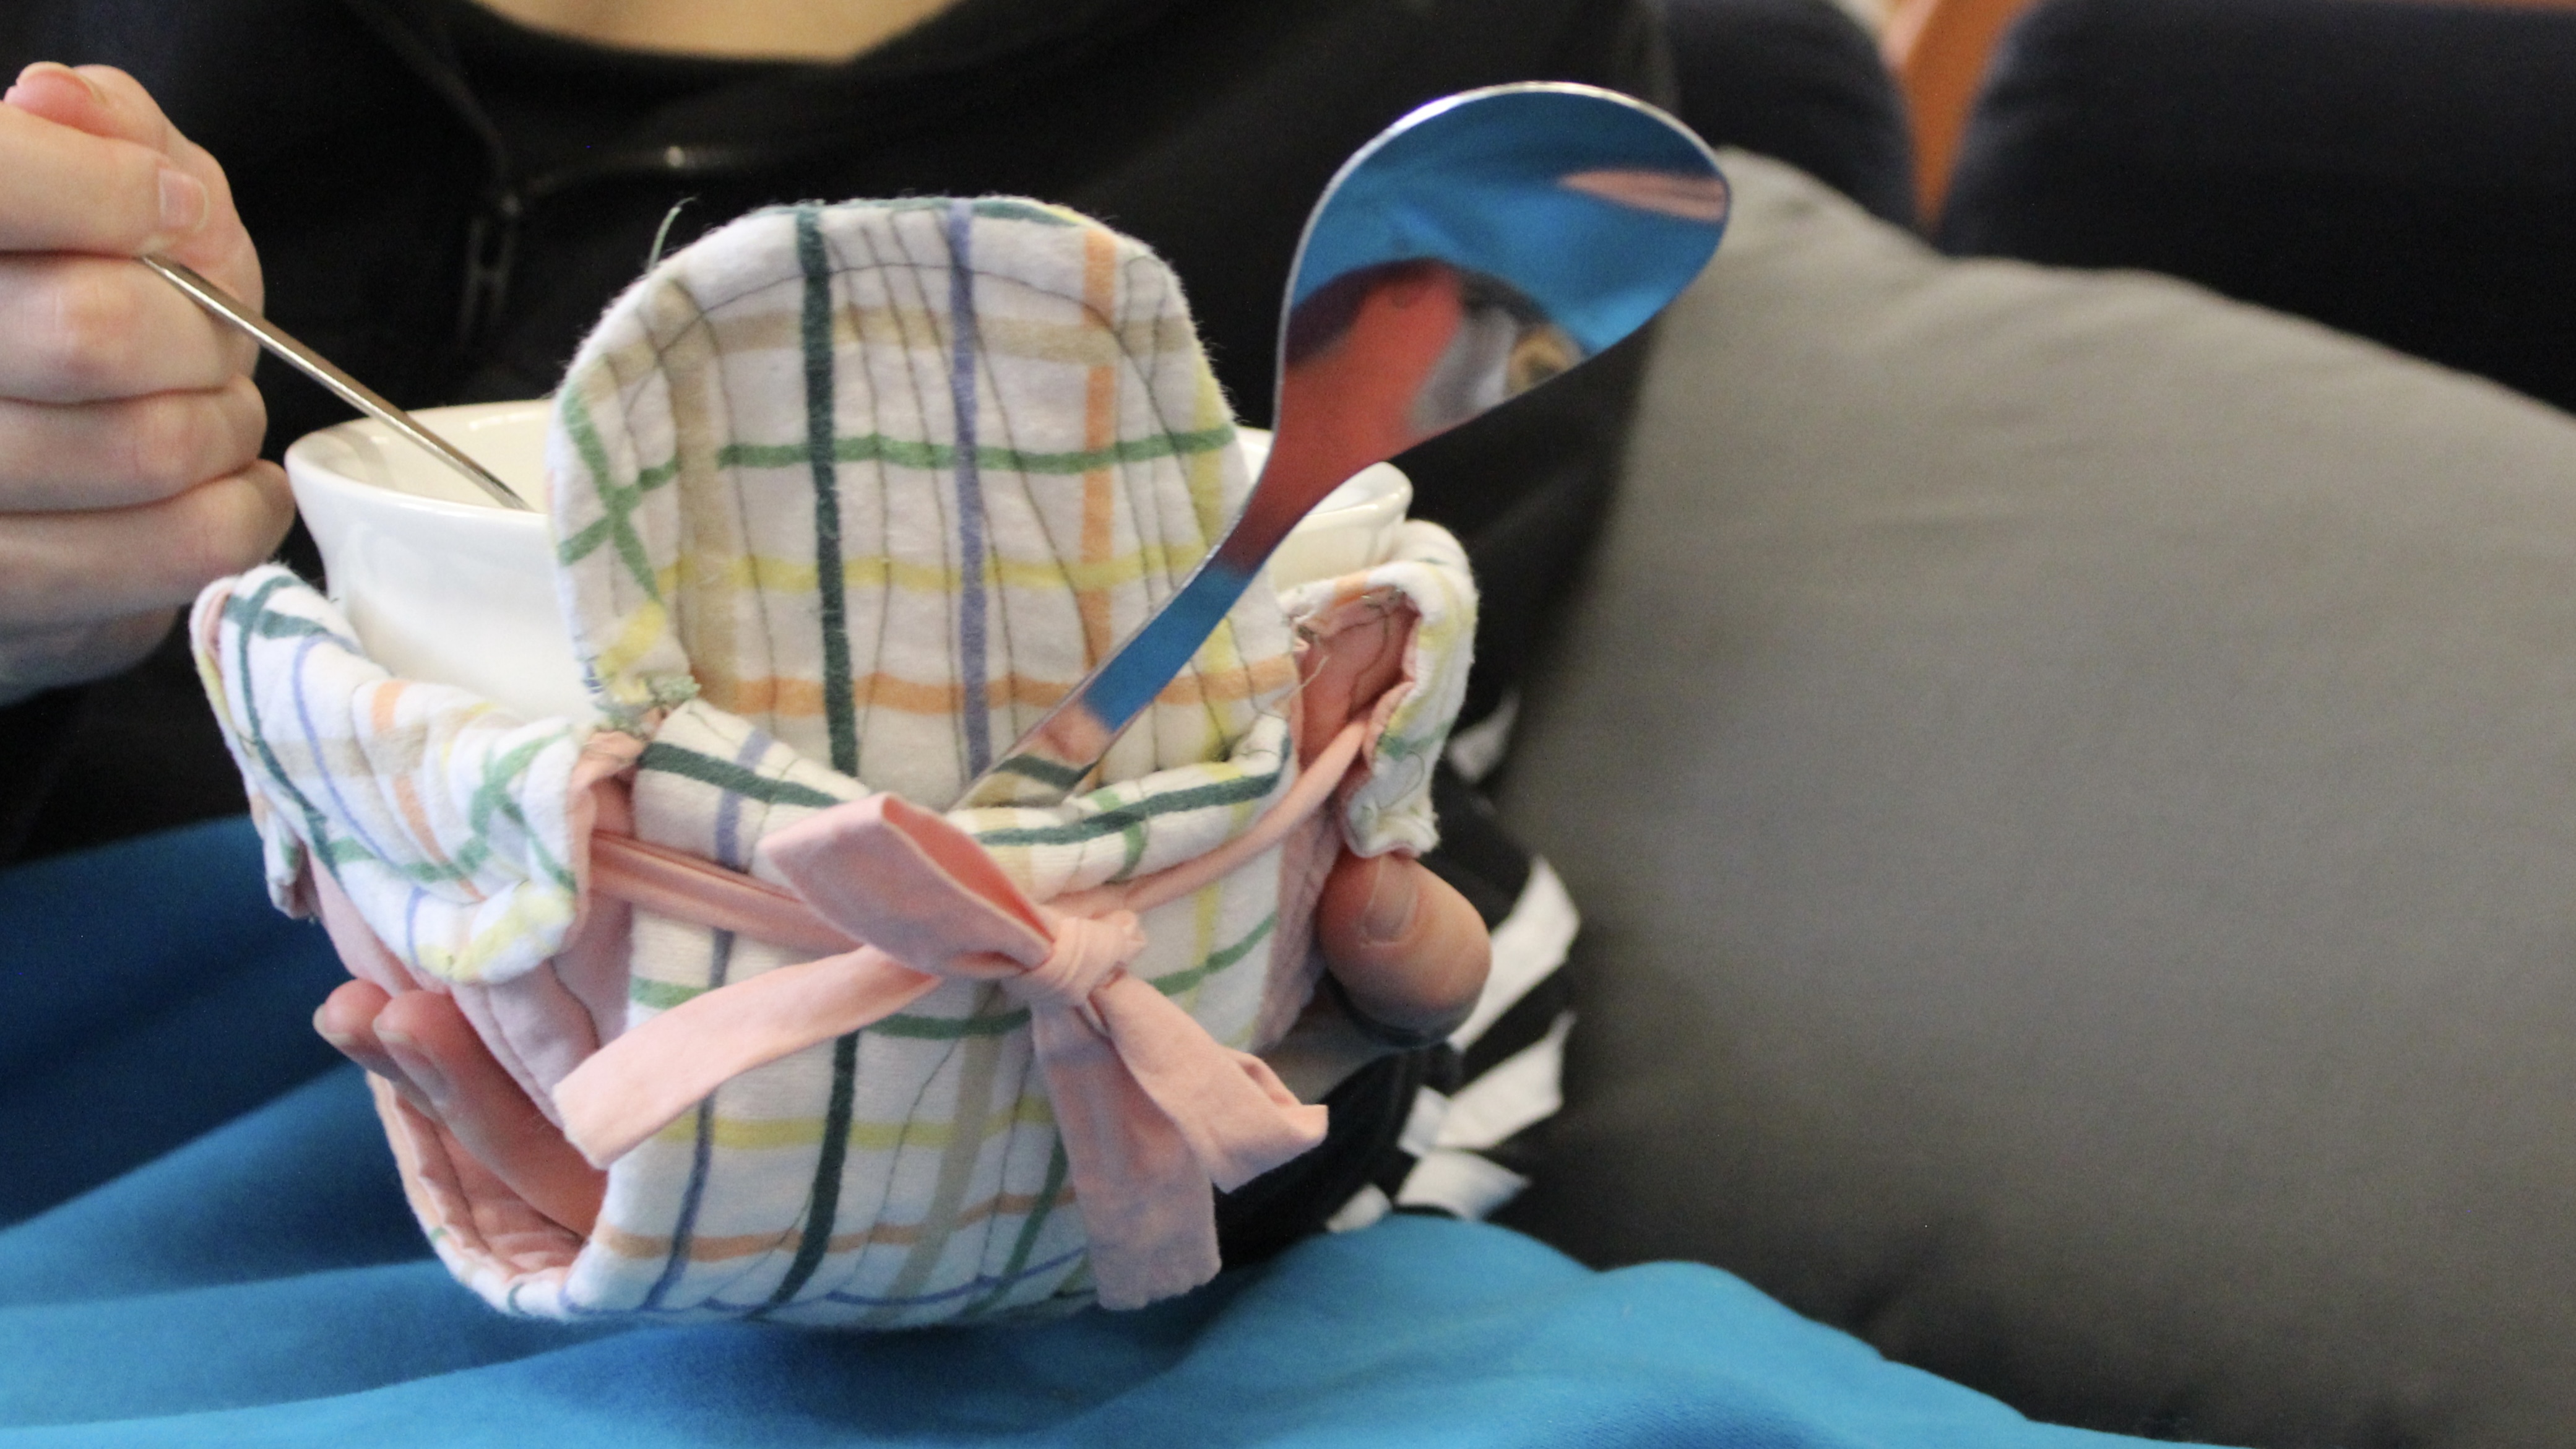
[444,585]
[441,583]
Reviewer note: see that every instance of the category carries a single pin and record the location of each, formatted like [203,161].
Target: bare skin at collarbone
[813,30]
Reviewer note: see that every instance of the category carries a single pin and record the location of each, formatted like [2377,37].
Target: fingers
[347,1020]
[1409,955]
[421,1042]
[66,188]
[1365,661]
[84,328]
[116,531]
[488,1113]
[1409,951]
[88,163]
[122,109]
[59,570]
[126,451]
[98,100]
[128,424]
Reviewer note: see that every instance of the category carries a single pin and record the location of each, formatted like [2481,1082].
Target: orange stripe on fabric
[773,695]
[380,718]
[1099,430]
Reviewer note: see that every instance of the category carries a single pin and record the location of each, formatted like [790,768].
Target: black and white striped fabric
[1445,1128]
[1463,1148]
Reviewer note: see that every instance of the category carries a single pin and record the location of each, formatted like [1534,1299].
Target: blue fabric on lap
[265,1284]
[148,992]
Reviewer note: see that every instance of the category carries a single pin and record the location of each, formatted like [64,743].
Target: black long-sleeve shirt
[444,203]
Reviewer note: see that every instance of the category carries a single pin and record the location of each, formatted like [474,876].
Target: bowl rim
[304,468]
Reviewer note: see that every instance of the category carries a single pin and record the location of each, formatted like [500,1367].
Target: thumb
[1409,951]
[98,100]
[147,189]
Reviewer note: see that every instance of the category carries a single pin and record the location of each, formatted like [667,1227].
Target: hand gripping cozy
[850,494]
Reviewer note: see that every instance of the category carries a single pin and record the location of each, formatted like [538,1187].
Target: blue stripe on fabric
[719,969]
[313,738]
[701,1156]
[970,489]
[411,924]
[318,833]
[729,805]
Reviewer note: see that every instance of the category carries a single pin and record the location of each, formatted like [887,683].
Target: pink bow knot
[1153,1111]
[1155,1114]
[1086,951]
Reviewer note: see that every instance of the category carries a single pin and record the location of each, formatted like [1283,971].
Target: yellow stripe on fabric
[1219,676]
[1206,471]
[978,1063]
[654,1248]
[766,1134]
[741,331]
[1243,682]
[1203,923]
[1206,482]
[532,910]
[803,698]
[761,573]
[693,377]
[643,628]
[1099,429]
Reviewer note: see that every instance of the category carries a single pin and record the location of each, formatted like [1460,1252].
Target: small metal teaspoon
[1475,249]
[319,368]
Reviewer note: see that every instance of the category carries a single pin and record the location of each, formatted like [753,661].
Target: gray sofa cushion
[2072,783]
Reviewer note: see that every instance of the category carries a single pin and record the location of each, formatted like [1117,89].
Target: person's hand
[1409,953]
[1407,948]
[129,429]
[421,1043]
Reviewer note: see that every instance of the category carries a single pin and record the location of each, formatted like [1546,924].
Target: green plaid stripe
[858,472]
[444,821]
[781,585]
[877,448]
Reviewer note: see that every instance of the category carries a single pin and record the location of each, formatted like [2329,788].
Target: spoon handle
[1043,766]
[314,365]
[1478,247]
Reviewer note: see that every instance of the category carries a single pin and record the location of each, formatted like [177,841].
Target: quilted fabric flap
[886,478]
[451,824]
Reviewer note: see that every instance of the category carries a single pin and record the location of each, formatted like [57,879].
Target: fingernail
[416,1063]
[183,201]
[322,1029]
[44,68]
[1392,902]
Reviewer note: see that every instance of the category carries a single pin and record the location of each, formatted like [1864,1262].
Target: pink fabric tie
[1155,1113]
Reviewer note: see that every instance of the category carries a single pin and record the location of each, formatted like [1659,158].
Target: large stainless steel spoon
[328,373]
[1478,247]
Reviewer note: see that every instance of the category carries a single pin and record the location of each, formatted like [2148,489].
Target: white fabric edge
[1530,943]
[1518,1092]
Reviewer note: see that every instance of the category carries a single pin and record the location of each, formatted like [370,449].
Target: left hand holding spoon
[130,473]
